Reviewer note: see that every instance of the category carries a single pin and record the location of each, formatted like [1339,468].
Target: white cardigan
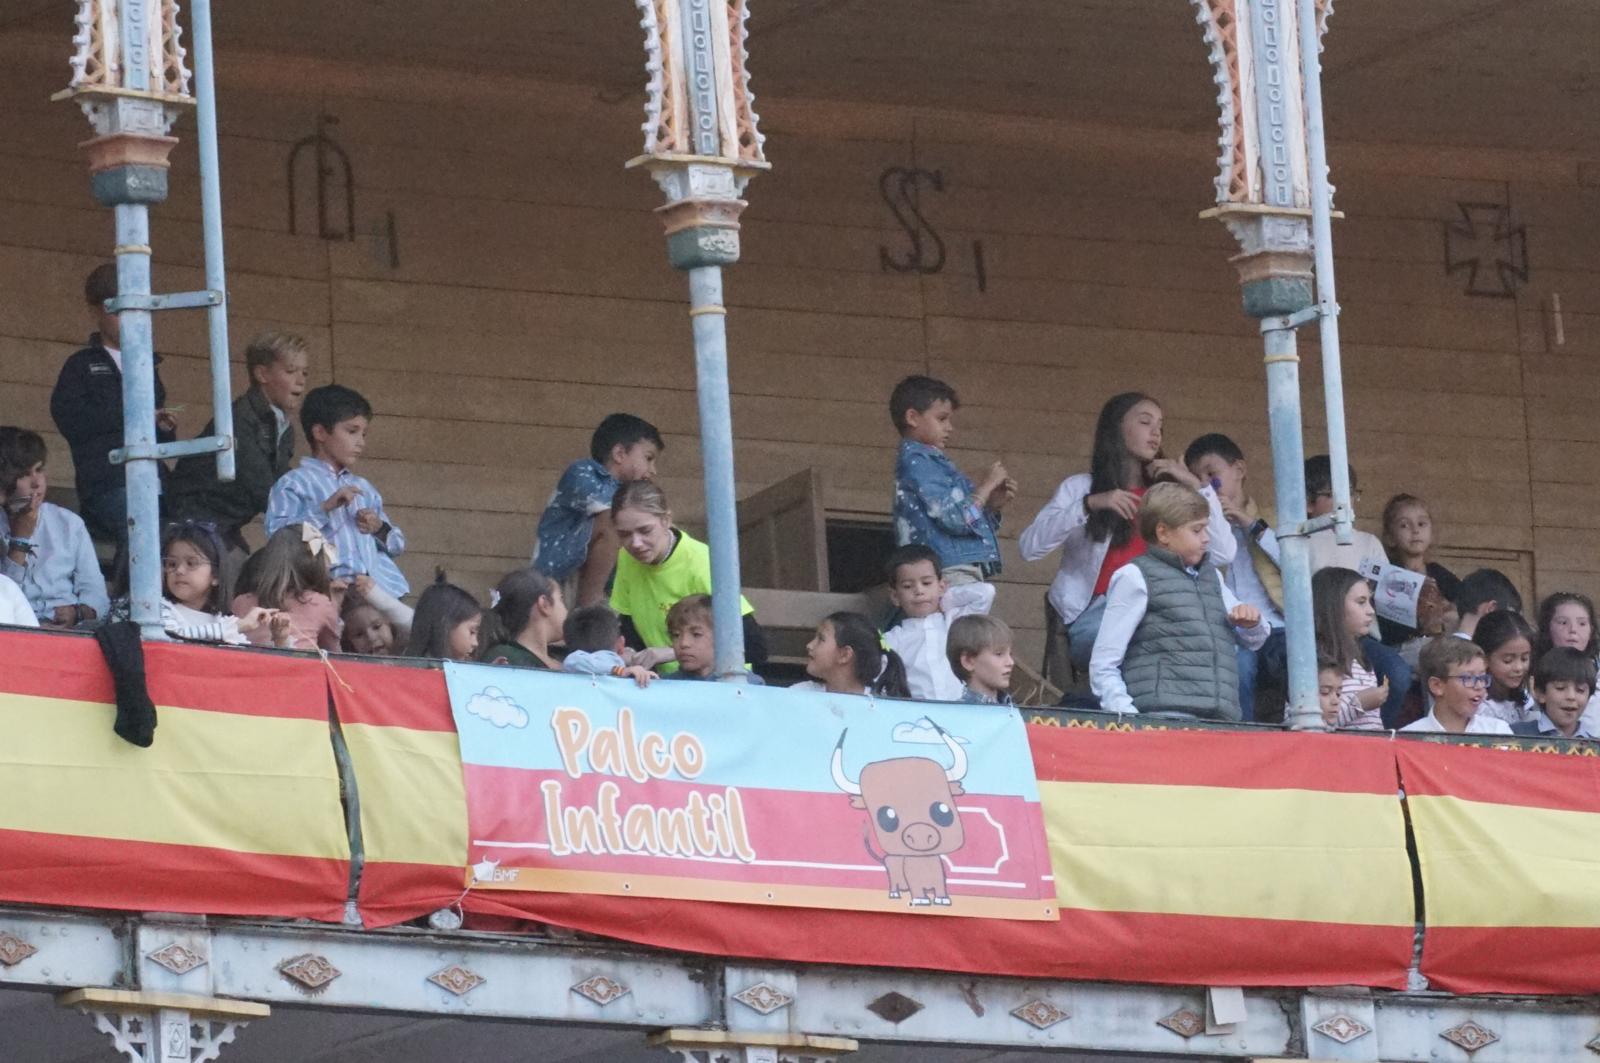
[1063,523]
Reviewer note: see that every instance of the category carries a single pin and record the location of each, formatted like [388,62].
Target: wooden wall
[532,297]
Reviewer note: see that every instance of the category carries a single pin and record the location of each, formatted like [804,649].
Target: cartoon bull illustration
[910,803]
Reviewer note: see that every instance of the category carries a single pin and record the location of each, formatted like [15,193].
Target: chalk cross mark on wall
[1486,244]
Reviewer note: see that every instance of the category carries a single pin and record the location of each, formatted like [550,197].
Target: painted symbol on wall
[1489,247]
[325,153]
[901,188]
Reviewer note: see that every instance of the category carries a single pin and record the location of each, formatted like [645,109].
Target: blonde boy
[1171,625]
[980,655]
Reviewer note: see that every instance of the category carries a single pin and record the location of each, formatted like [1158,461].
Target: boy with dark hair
[1253,577]
[276,364]
[47,552]
[1457,676]
[593,635]
[86,406]
[1481,593]
[929,605]
[324,494]
[576,545]
[935,505]
[979,651]
[1171,624]
[1563,680]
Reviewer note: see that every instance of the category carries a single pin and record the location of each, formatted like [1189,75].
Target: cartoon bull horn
[958,764]
[840,779]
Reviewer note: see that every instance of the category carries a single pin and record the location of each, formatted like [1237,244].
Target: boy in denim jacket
[935,505]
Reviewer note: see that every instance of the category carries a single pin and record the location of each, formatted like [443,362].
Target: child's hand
[1236,516]
[1372,697]
[255,618]
[280,630]
[360,587]
[996,478]
[1124,504]
[167,420]
[1244,616]
[1171,469]
[368,522]
[652,657]
[1002,494]
[341,498]
[643,676]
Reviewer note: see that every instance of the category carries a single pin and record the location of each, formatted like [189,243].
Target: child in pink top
[290,575]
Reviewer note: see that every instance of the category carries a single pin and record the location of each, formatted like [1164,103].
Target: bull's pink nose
[920,837]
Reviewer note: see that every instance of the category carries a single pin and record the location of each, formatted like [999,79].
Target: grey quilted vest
[1181,658]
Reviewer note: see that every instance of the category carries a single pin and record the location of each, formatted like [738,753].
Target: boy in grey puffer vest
[1167,640]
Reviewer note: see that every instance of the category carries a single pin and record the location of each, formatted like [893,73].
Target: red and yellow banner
[233,811]
[402,740]
[1509,847]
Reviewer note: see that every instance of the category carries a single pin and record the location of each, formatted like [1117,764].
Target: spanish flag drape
[233,811]
[402,740]
[1509,847]
[1179,857]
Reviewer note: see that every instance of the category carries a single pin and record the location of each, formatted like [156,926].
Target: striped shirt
[1352,717]
[297,497]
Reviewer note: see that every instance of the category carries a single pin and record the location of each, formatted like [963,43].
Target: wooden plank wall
[532,297]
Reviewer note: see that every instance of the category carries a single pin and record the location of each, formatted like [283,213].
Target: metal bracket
[1314,312]
[175,301]
[163,451]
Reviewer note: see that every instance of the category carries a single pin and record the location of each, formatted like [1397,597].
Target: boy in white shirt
[918,589]
[1563,681]
[1457,675]
[1171,625]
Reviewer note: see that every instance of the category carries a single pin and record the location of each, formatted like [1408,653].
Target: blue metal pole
[141,474]
[211,226]
[1322,248]
[1289,476]
[716,454]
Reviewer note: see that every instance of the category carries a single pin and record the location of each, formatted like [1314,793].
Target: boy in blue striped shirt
[322,491]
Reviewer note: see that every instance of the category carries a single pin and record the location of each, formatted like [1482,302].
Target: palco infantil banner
[754,795]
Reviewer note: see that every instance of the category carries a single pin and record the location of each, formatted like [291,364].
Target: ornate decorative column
[1269,195]
[129,77]
[702,147]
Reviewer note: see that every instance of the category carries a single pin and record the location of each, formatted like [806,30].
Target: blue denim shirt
[933,506]
[567,525]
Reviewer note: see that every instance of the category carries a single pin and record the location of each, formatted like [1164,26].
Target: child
[1481,592]
[1563,682]
[1567,619]
[935,505]
[447,623]
[1341,603]
[290,576]
[48,553]
[1325,550]
[1093,519]
[1407,541]
[595,646]
[980,654]
[1507,643]
[1457,678]
[322,491]
[576,542]
[276,364]
[846,656]
[1330,684]
[526,614]
[1253,576]
[86,406]
[1166,642]
[918,589]
[191,566]
[367,630]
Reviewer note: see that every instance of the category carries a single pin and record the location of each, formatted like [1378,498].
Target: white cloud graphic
[922,732]
[497,707]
